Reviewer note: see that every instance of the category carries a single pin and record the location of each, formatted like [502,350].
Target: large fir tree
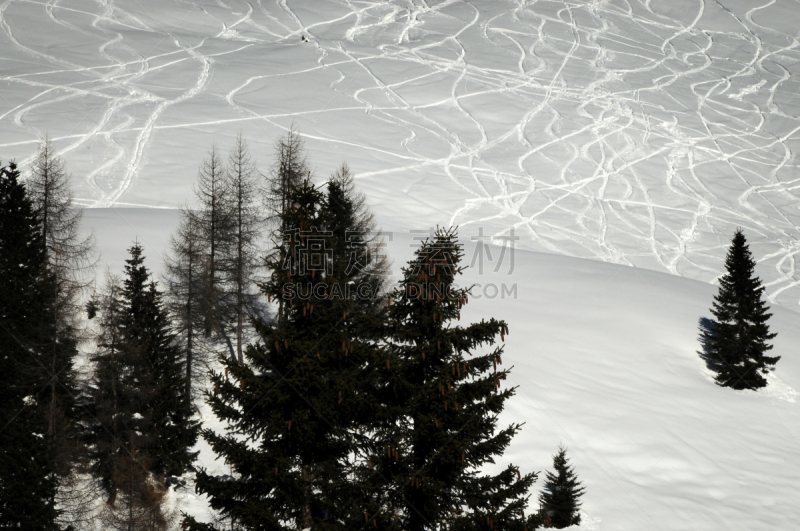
[560,498]
[440,401]
[138,393]
[296,410]
[737,340]
[27,480]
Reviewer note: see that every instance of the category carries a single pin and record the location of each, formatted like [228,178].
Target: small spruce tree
[137,396]
[559,500]
[737,340]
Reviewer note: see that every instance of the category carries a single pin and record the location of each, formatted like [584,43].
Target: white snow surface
[635,132]
[606,362]
[623,132]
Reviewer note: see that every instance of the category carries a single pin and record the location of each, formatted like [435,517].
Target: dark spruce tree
[107,418]
[137,395]
[357,253]
[440,399]
[737,340]
[560,498]
[162,367]
[297,408]
[27,480]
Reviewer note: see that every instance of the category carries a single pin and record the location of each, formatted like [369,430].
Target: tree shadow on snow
[707,330]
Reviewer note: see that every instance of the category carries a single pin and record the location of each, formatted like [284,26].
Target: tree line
[347,402]
[359,405]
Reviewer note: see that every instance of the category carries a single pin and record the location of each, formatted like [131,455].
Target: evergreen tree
[296,410]
[138,392]
[357,253]
[107,419]
[161,366]
[738,338]
[559,500]
[27,480]
[440,402]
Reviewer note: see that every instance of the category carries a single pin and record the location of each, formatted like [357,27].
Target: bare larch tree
[245,223]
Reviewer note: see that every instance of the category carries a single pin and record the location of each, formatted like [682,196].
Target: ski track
[641,134]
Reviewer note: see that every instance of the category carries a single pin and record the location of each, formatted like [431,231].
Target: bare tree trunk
[189,323]
[240,265]
[307,521]
[185,278]
[189,356]
[239,337]
[284,191]
[44,176]
[51,425]
[212,270]
[130,502]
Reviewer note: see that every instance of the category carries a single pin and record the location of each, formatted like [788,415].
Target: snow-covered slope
[633,132]
[606,362]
